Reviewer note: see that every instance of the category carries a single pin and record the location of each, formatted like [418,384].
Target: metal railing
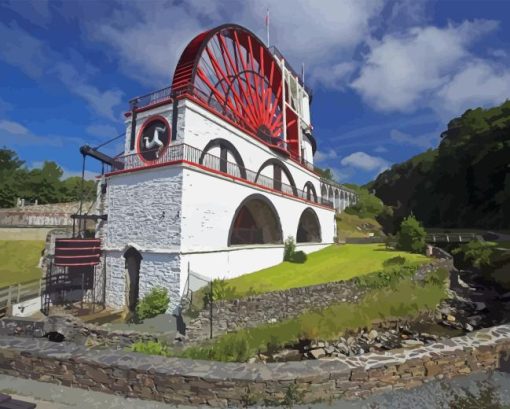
[16,293]
[167,94]
[451,237]
[183,152]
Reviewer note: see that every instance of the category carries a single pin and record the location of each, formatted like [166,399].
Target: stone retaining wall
[183,381]
[49,215]
[281,305]
[76,331]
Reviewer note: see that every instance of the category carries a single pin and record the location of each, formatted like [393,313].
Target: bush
[150,348]
[299,257]
[223,291]
[411,236]
[367,205]
[394,261]
[154,303]
[477,253]
[389,277]
[290,249]
[229,348]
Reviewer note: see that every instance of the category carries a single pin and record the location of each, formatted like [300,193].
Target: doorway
[133,261]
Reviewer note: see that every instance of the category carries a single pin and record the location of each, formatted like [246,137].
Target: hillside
[465,182]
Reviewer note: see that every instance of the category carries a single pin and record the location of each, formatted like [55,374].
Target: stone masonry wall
[49,215]
[280,305]
[193,382]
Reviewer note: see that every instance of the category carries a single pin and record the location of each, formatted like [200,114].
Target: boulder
[372,335]
[412,343]
[317,353]
[287,355]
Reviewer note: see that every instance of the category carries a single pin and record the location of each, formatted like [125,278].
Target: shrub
[150,348]
[154,303]
[229,348]
[290,249]
[389,277]
[411,236]
[477,253]
[394,261]
[299,257]
[222,291]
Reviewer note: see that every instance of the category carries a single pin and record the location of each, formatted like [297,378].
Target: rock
[329,349]
[468,327]
[480,306]
[317,353]
[350,341]
[474,320]
[321,344]
[372,335]
[287,355]
[412,343]
[252,360]
[342,348]
[450,318]
[505,296]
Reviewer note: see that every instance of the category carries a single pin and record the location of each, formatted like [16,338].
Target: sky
[387,75]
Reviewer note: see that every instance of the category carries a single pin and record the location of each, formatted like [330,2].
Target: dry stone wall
[192,382]
[281,305]
[49,215]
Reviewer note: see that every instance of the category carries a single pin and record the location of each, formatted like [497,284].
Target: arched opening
[223,164]
[310,192]
[337,199]
[330,194]
[255,222]
[133,262]
[279,170]
[309,228]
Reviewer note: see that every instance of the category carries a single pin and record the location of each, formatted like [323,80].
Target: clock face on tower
[153,139]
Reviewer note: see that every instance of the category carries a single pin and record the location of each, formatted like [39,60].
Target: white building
[217,172]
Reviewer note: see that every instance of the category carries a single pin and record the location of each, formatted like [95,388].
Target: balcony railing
[183,152]
[166,94]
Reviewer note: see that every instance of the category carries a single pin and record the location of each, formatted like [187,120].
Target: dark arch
[133,262]
[255,221]
[277,163]
[310,191]
[225,146]
[309,227]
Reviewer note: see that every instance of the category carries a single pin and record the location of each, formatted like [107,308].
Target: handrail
[184,152]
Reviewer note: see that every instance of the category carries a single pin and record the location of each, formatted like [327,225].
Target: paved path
[429,396]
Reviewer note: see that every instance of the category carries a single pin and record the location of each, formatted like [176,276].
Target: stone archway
[309,227]
[132,268]
[255,221]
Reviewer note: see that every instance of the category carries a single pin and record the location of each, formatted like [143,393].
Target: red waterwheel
[235,74]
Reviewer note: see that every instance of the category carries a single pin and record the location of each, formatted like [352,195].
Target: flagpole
[267,26]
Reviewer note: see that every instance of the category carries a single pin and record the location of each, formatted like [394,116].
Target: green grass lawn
[19,260]
[405,299]
[349,225]
[333,263]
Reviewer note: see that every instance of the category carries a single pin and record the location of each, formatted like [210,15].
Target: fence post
[211,311]
[9,297]
[40,287]
[19,293]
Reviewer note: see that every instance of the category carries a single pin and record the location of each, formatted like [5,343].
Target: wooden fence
[20,292]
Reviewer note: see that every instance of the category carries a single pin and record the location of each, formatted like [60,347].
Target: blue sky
[387,75]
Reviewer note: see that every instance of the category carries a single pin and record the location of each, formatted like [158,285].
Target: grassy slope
[330,264]
[347,226]
[19,261]
[404,300]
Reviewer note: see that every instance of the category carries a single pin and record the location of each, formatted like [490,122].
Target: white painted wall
[200,126]
[210,201]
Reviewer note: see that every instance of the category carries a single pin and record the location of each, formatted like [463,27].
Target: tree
[367,205]
[10,177]
[477,253]
[325,173]
[411,236]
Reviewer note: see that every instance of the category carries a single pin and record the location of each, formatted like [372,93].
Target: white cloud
[365,162]
[405,72]
[380,149]
[321,34]
[38,61]
[321,156]
[423,141]
[479,83]
[16,134]
[14,128]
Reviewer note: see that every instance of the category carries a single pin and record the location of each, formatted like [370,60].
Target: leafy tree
[465,182]
[411,236]
[367,205]
[10,169]
[477,253]
[325,173]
